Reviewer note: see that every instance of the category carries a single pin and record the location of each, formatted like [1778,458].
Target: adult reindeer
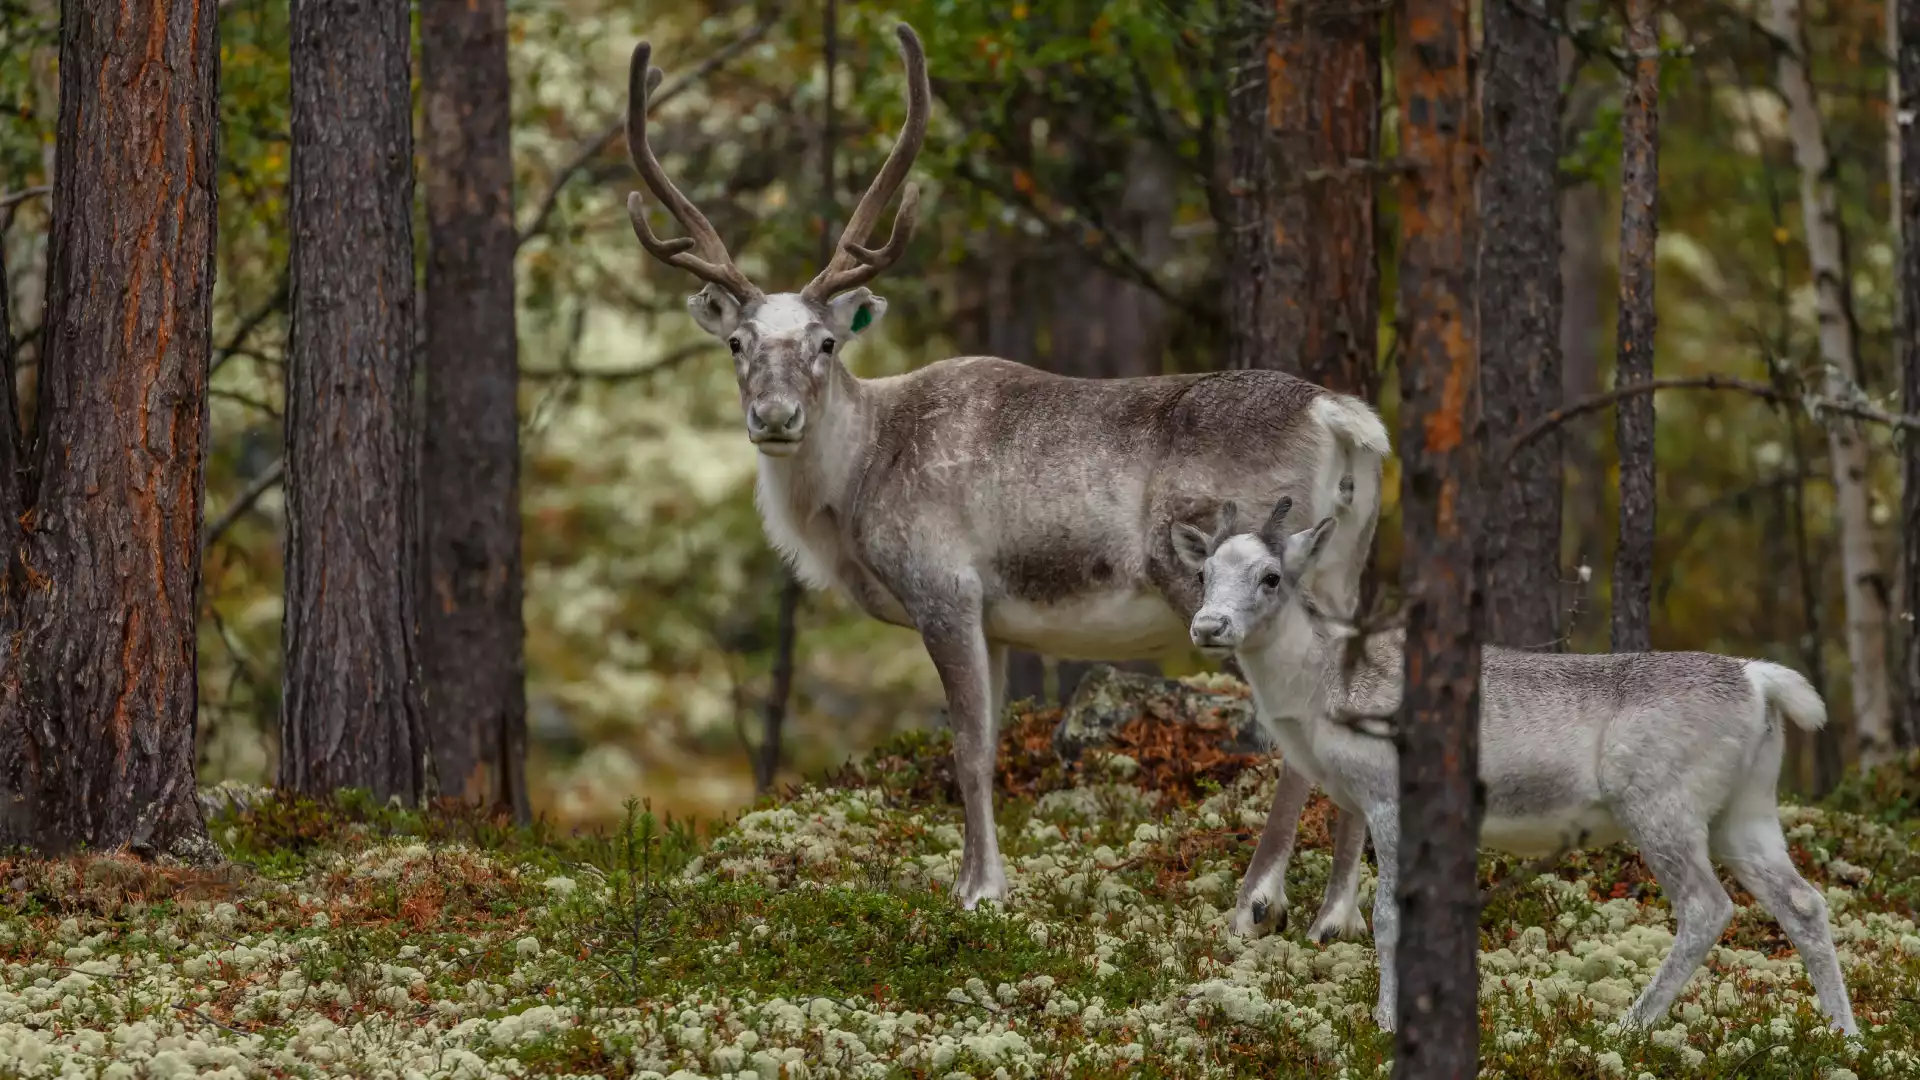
[987,504]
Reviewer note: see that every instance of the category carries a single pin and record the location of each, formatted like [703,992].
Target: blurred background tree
[1072,219]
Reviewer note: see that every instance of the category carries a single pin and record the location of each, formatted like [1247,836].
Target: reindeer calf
[1677,752]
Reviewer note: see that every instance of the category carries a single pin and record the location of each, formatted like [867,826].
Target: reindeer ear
[1191,545]
[716,310]
[1304,548]
[854,312]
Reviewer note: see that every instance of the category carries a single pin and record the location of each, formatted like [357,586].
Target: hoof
[973,893]
[1259,918]
[1347,926]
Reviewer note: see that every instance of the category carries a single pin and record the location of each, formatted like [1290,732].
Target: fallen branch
[592,148]
[186,1008]
[95,974]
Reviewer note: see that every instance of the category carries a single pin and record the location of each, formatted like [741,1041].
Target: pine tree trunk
[1340,350]
[1440,432]
[1267,151]
[1634,421]
[1302,122]
[97,711]
[352,714]
[1520,323]
[472,633]
[13,446]
[1907,212]
[1865,582]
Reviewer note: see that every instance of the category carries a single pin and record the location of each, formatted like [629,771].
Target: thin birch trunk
[1866,583]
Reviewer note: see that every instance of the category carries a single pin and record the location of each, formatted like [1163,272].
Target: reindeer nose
[1207,629]
[778,419]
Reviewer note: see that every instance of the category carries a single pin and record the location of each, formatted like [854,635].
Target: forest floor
[815,937]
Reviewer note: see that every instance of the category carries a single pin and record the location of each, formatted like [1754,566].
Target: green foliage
[1889,794]
[28,97]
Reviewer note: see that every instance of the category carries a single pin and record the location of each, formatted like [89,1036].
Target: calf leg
[1383,820]
[1262,907]
[1673,841]
[957,644]
[1340,910]
[1751,845]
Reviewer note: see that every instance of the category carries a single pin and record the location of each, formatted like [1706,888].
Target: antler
[1223,525]
[854,264]
[1273,532]
[712,262]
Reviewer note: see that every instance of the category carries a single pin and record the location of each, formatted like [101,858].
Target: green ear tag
[862,319]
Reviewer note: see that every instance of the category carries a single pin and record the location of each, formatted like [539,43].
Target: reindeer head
[1248,578]
[785,346]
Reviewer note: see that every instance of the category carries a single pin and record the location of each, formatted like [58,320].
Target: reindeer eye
[826,347]
[733,343]
[1271,581]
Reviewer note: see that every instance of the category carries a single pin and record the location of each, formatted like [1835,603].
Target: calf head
[1247,578]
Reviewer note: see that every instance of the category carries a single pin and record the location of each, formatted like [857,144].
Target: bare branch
[236,344]
[247,400]
[268,479]
[11,199]
[1539,428]
[665,364]
[1110,251]
[658,94]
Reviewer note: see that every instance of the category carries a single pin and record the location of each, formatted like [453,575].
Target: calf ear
[1304,548]
[1191,545]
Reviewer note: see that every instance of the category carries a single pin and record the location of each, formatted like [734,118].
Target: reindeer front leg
[956,640]
[1262,906]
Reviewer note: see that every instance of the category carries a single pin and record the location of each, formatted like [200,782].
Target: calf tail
[1787,692]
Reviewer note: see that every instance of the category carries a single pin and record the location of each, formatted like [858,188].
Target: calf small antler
[1223,526]
[712,263]
[853,263]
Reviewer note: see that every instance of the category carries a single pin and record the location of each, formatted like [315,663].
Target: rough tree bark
[1440,432]
[1634,421]
[1302,122]
[352,714]
[1266,205]
[1520,324]
[97,708]
[472,633]
[13,446]
[1907,212]
[1865,580]
[1342,55]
